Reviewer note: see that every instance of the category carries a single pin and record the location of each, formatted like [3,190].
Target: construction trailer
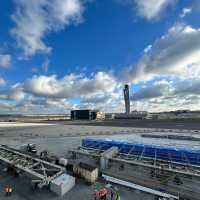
[175,171]
[40,172]
[86,171]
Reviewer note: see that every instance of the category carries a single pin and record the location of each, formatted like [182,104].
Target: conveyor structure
[38,170]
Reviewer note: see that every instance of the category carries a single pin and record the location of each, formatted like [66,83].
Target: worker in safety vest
[118,197]
[95,195]
[103,194]
[10,190]
[111,195]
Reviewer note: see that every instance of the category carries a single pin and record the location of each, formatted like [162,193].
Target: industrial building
[86,115]
[132,115]
[178,114]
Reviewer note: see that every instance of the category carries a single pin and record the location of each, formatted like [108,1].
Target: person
[95,197]
[103,194]
[111,195]
[118,197]
[103,197]
[10,190]
[94,194]
[6,189]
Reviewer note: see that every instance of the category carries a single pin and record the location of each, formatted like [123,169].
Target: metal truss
[154,163]
[38,170]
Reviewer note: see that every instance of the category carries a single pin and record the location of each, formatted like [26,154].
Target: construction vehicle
[29,148]
[47,156]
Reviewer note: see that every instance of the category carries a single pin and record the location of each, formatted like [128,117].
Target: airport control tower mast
[127,99]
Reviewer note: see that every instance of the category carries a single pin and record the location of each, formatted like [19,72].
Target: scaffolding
[40,171]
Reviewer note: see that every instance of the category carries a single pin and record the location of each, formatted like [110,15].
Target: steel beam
[41,171]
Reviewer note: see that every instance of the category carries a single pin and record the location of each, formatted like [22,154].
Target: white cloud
[34,19]
[103,98]
[36,105]
[6,107]
[48,93]
[167,95]
[149,92]
[188,86]
[176,53]
[14,93]
[147,49]
[163,103]
[151,9]
[2,81]
[174,60]
[5,60]
[185,12]
[70,86]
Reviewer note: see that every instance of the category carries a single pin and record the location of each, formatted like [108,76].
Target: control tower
[127,99]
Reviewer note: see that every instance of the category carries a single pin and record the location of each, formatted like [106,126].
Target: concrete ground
[23,191]
[59,138]
[145,123]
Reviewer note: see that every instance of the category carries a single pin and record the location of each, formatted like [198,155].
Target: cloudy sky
[60,55]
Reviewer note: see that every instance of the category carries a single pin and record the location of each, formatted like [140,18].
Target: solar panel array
[184,156]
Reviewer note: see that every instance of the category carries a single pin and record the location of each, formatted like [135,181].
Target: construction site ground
[59,138]
[82,191]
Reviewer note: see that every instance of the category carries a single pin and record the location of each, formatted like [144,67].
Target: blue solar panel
[164,153]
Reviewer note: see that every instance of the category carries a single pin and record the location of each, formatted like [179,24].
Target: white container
[62,184]
[63,162]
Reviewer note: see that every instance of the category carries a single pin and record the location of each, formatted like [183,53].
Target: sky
[77,54]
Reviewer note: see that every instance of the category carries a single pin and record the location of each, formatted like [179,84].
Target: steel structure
[38,170]
[127,99]
[175,171]
[175,161]
[176,155]
[139,187]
